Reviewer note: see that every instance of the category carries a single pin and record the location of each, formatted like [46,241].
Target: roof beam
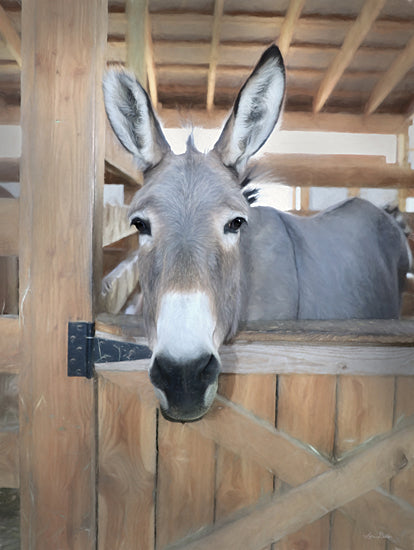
[353,39]
[288,25]
[390,79]
[214,52]
[10,36]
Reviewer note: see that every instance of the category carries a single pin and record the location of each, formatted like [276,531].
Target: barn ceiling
[352,57]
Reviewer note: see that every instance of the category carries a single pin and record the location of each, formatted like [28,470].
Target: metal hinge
[85,349]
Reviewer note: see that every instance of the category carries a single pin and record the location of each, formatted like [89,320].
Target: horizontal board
[285,358]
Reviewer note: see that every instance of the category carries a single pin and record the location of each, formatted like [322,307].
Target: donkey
[209,259]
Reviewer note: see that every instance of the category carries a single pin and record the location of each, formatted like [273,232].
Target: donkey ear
[255,111]
[132,118]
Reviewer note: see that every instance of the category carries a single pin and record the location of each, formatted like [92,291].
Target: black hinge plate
[85,349]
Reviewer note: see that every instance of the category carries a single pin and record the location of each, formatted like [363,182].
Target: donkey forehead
[191,183]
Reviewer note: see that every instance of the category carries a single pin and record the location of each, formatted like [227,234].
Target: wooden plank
[10,353]
[250,358]
[306,411]
[151,71]
[9,459]
[120,160]
[119,283]
[116,225]
[185,482]
[214,52]
[365,409]
[353,40]
[390,521]
[10,36]
[336,171]
[9,170]
[136,38]
[9,113]
[391,332]
[127,466]
[328,122]
[63,49]
[355,476]
[401,65]
[240,481]
[289,24]
[9,227]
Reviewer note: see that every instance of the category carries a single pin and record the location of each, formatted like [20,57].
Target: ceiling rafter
[391,77]
[214,52]
[353,39]
[289,24]
[10,36]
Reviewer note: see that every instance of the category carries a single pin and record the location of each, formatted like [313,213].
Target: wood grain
[356,476]
[63,48]
[365,409]
[306,411]
[127,468]
[9,459]
[10,353]
[239,480]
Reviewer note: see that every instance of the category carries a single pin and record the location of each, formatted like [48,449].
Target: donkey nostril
[208,369]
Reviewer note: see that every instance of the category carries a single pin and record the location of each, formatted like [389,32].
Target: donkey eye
[233,226]
[143,226]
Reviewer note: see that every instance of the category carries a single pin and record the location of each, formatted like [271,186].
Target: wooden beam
[10,352]
[151,72]
[354,38]
[136,38]
[63,52]
[289,24]
[214,52]
[9,459]
[10,36]
[391,77]
[9,113]
[119,160]
[9,227]
[115,223]
[119,284]
[323,122]
[336,171]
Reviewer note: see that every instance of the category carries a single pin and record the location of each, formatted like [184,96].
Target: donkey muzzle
[185,390]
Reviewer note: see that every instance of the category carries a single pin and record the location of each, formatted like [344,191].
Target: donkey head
[191,215]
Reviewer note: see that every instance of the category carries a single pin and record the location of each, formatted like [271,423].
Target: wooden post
[63,51]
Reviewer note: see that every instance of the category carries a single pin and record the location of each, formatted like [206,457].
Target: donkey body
[210,260]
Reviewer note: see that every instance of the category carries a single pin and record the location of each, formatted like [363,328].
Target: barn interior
[347,130]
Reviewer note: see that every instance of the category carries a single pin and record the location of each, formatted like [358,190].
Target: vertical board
[240,481]
[63,50]
[365,409]
[306,411]
[127,465]
[185,482]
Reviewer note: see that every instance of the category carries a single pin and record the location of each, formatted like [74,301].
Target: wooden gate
[336,472]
